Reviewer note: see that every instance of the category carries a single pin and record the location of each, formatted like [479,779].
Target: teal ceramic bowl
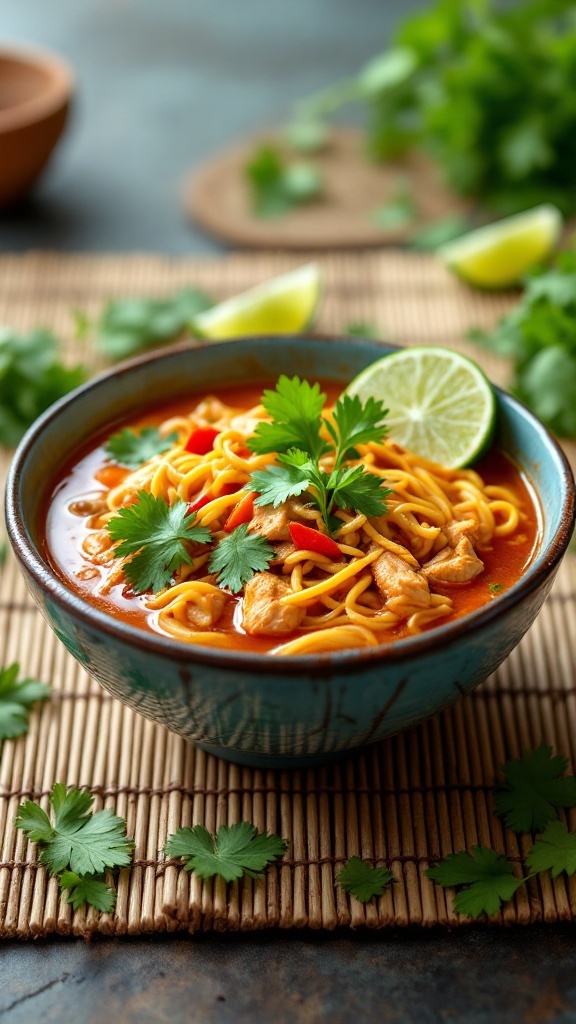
[262,710]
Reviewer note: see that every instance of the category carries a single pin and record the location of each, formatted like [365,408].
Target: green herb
[3,552]
[78,845]
[400,211]
[16,696]
[362,880]
[88,889]
[134,447]
[238,556]
[307,136]
[82,324]
[535,789]
[495,588]
[487,880]
[153,536]
[359,329]
[128,326]
[32,377]
[295,434]
[439,232]
[554,850]
[486,88]
[539,335]
[235,850]
[278,187]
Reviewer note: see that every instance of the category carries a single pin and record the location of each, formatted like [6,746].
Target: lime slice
[497,255]
[441,406]
[283,305]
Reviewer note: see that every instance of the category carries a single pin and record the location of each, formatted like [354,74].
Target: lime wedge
[283,305]
[497,255]
[441,406]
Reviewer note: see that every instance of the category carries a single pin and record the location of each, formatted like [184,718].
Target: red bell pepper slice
[307,539]
[241,513]
[201,440]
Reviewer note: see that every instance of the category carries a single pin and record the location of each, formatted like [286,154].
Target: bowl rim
[56,94]
[337,661]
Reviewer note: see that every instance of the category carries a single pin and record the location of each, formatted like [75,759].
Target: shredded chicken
[263,610]
[458,564]
[271,522]
[396,581]
[204,610]
[458,528]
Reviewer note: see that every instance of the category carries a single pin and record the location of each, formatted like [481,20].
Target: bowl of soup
[187,568]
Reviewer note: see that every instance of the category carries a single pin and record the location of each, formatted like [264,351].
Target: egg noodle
[438,523]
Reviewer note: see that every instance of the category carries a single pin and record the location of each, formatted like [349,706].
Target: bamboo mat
[404,802]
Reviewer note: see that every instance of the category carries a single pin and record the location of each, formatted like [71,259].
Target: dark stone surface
[470,977]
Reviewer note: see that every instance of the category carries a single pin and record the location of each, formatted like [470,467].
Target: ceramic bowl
[262,710]
[35,91]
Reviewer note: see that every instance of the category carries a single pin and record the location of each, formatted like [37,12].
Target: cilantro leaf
[238,556]
[278,483]
[134,447]
[360,329]
[554,850]
[77,839]
[153,536]
[534,790]
[487,877]
[295,407]
[359,490]
[362,880]
[32,377]
[3,552]
[235,850]
[88,889]
[128,326]
[15,700]
[277,187]
[356,424]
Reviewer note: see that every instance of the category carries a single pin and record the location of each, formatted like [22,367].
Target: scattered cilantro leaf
[362,880]
[235,850]
[81,324]
[400,211]
[534,789]
[356,424]
[134,447]
[88,889]
[359,329]
[495,588]
[3,552]
[133,325]
[238,556]
[307,135]
[554,850]
[78,840]
[32,377]
[353,488]
[278,483]
[486,876]
[276,186]
[539,335]
[15,700]
[153,535]
[295,408]
[439,232]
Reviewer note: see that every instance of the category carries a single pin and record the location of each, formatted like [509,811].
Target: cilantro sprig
[539,335]
[535,789]
[235,850]
[278,186]
[296,434]
[16,697]
[363,880]
[78,845]
[153,537]
[134,325]
[238,556]
[132,448]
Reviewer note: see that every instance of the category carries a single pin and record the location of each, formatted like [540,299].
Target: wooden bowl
[35,91]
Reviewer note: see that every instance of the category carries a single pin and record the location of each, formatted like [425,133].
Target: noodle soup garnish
[285,526]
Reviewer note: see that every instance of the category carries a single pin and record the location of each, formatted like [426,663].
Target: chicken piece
[283,549]
[205,608]
[396,580]
[459,564]
[458,528]
[263,611]
[271,522]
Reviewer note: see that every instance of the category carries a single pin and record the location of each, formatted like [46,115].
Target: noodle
[394,571]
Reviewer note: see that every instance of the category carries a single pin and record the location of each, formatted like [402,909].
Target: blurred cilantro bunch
[489,91]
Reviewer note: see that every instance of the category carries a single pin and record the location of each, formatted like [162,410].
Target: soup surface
[440,544]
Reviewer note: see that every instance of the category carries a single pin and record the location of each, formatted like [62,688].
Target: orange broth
[90,474]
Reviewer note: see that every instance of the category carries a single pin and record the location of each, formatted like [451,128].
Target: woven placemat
[404,802]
